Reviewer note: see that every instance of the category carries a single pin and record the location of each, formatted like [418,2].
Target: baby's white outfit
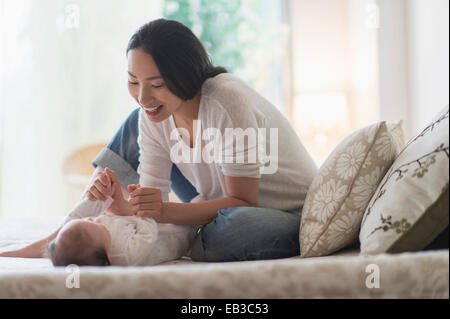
[142,241]
[136,240]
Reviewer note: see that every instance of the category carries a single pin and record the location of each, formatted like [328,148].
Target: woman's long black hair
[181,58]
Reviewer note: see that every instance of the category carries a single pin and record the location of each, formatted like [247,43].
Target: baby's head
[81,242]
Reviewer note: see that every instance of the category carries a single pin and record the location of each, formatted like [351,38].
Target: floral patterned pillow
[339,194]
[410,206]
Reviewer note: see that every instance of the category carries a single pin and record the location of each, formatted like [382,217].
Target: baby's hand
[110,187]
[133,187]
[102,187]
[120,205]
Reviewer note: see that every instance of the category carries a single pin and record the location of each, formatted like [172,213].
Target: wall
[393,63]
[428,61]
[413,52]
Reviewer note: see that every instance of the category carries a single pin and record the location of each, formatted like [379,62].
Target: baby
[91,236]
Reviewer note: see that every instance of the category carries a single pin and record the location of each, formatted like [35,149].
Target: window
[335,70]
[247,37]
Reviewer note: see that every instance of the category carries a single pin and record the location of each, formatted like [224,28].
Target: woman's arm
[196,213]
[241,191]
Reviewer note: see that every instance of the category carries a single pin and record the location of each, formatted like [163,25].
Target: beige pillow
[410,206]
[339,194]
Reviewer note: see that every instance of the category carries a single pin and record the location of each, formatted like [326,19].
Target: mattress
[345,274]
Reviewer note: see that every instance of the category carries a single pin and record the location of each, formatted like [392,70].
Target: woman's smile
[154,111]
[151,109]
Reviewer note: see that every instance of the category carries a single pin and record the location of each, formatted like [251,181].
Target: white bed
[342,275]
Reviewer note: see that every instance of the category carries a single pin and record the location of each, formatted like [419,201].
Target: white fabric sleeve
[199,198]
[240,159]
[139,243]
[89,208]
[154,161]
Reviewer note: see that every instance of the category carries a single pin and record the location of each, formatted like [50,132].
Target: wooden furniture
[77,168]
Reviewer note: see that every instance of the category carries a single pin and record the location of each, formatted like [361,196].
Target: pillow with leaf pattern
[410,207]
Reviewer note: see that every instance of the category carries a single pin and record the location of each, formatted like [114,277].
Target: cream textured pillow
[410,206]
[339,194]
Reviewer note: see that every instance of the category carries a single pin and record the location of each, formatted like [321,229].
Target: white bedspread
[344,275]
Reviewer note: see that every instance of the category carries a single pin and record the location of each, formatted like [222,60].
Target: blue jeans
[236,234]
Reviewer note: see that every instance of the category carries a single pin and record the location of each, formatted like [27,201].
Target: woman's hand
[146,201]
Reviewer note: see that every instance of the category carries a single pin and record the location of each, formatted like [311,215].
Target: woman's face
[147,87]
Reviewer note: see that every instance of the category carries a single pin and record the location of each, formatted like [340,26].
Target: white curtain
[62,86]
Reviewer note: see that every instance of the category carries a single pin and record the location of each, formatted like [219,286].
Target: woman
[248,213]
